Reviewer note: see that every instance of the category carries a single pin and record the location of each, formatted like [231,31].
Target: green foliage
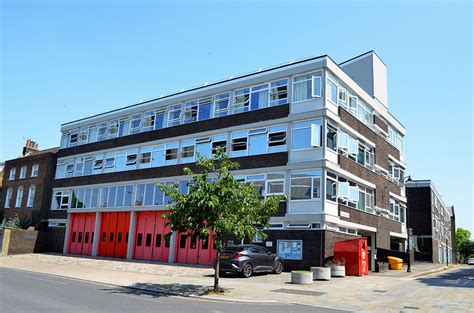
[14,222]
[217,204]
[464,244]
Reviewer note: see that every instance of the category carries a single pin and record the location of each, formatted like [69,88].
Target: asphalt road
[23,291]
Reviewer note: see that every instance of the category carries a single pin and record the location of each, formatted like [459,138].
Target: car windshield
[234,249]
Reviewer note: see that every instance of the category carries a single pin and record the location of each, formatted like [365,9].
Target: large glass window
[187,151]
[305,185]
[31,196]
[306,135]
[8,198]
[221,105]
[331,91]
[174,115]
[259,97]
[306,86]
[191,111]
[241,100]
[331,138]
[205,106]
[19,197]
[279,92]
[149,193]
[135,123]
[148,121]
[140,195]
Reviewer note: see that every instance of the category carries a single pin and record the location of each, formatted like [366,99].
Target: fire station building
[313,129]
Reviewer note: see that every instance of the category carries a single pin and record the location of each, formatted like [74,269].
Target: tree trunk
[216,273]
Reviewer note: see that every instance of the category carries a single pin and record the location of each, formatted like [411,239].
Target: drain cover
[300,292]
[412,307]
[381,291]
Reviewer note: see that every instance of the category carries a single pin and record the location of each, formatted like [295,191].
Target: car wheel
[247,270]
[278,267]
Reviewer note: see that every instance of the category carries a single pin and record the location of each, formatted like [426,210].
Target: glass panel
[128,195]
[120,196]
[149,192]
[257,144]
[140,194]
[300,188]
[301,139]
[158,200]
[112,195]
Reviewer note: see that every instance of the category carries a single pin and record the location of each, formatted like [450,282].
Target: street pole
[409,250]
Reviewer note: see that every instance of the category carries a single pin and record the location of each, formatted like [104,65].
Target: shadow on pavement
[463,278]
[159,290]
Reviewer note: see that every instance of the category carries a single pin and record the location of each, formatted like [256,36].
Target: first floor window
[19,197]
[61,200]
[12,174]
[331,138]
[305,185]
[8,198]
[31,196]
[306,135]
[307,86]
[22,172]
[331,189]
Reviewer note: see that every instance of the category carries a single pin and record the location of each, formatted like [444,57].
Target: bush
[17,223]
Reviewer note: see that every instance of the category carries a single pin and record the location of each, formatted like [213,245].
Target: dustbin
[395,263]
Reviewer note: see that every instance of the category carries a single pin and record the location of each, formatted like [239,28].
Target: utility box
[355,254]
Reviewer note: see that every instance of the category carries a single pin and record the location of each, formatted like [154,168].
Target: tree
[464,245]
[217,205]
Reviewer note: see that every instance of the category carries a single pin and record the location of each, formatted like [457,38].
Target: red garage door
[114,234]
[194,251]
[151,239]
[82,233]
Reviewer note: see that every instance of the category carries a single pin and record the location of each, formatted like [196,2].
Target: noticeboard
[290,249]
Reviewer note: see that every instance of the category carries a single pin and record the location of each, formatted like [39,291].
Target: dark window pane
[73,236]
[158,240]
[92,237]
[167,240]
[79,238]
[182,241]
[119,237]
[148,240]
[111,237]
[126,237]
[86,238]
[139,240]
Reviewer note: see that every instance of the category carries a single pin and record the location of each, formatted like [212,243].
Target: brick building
[27,186]
[433,223]
[313,129]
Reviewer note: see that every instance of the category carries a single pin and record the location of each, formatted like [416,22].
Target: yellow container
[395,263]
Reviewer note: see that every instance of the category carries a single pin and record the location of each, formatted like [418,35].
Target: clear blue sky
[64,60]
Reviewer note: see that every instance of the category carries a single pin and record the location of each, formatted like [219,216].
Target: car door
[267,258]
[257,259]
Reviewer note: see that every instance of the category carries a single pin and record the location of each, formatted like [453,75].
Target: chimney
[29,147]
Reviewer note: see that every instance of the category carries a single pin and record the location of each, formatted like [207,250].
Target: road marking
[49,280]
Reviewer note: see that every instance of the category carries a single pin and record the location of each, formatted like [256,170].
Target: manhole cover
[412,307]
[381,291]
[300,292]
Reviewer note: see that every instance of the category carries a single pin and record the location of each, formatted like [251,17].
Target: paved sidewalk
[373,293]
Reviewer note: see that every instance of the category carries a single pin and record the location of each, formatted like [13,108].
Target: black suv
[248,259]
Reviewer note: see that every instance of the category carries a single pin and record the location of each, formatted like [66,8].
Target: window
[31,196]
[145,158]
[365,156]
[396,173]
[22,172]
[239,144]
[191,111]
[259,97]
[128,195]
[277,138]
[187,151]
[34,170]
[307,86]
[12,174]
[131,159]
[366,199]
[73,139]
[171,154]
[174,115]
[331,138]
[221,105]
[148,121]
[205,108]
[79,167]
[241,100]
[88,164]
[305,185]
[8,198]
[306,134]
[275,184]
[102,131]
[98,164]
[258,181]
[331,189]
[124,127]
[342,96]
[19,197]
[158,240]
[140,195]
[135,123]
[257,141]
[279,92]
[160,119]
[331,91]
[61,200]
[113,128]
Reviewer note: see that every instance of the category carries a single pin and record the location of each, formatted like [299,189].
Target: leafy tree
[217,204]
[464,245]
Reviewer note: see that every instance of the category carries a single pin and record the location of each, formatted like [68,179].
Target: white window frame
[175,121]
[217,99]
[12,174]
[35,170]
[312,178]
[31,196]
[22,172]
[19,197]
[8,197]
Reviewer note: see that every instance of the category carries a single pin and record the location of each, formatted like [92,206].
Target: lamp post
[409,230]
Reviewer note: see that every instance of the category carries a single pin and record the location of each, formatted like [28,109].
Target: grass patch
[301,271]
[218,292]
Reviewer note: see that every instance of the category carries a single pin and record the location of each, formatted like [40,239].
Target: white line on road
[49,280]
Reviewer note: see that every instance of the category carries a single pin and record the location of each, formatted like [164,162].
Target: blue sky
[64,60]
